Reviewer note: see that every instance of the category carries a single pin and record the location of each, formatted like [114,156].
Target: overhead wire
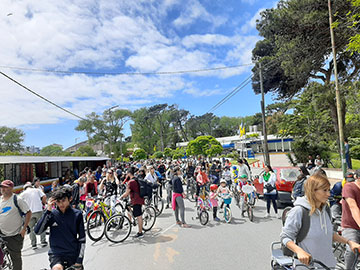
[123,73]
[40,96]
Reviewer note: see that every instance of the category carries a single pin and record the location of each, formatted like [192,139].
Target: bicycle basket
[227,201]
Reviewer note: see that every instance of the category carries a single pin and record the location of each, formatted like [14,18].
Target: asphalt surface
[239,245]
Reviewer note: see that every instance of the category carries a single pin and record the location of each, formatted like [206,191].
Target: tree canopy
[11,139]
[204,145]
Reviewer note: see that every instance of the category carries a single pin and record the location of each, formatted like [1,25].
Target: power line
[124,73]
[40,96]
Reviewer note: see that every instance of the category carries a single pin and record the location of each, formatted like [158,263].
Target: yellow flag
[154,148]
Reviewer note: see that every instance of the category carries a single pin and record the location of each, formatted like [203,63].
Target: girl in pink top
[213,200]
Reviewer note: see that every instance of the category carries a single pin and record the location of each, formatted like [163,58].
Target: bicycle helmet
[213,187]
[234,167]
[337,189]
[222,181]
[350,177]
[244,176]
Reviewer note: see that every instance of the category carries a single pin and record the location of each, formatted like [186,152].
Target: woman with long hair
[317,243]
[298,188]
[270,193]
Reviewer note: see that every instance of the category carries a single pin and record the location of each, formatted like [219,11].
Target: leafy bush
[168,152]
[234,155]
[139,154]
[355,151]
[302,148]
[158,154]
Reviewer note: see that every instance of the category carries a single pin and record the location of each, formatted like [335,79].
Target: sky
[108,36]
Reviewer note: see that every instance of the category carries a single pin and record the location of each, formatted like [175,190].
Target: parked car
[285,179]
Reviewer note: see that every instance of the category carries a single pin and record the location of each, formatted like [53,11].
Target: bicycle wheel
[190,193]
[227,214]
[250,212]
[117,228]
[118,208]
[7,264]
[284,214]
[95,226]
[158,205]
[149,218]
[204,217]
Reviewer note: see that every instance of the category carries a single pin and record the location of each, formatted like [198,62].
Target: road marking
[170,253]
[157,252]
[164,231]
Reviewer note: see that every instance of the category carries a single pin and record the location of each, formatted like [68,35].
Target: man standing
[11,223]
[133,190]
[351,216]
[347,154]
[35,199]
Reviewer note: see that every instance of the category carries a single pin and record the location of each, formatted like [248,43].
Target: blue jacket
[67,233]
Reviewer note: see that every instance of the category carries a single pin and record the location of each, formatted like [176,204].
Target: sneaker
[217,219]
[167,206]
[267,215]
[44,244]
[139,235]
[278,215]
[34,247]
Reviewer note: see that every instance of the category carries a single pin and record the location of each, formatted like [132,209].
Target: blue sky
[122,36]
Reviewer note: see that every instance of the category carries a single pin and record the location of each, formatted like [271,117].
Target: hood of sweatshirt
[302,201]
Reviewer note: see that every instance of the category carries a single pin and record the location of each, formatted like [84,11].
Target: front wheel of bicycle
[95,226]
[204,217]
[149,218]
[158,205]
[227,214]
[117,228]
[250,213]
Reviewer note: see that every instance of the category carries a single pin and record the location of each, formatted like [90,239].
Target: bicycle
[95,227]
[247,191]
[5,259]
[155,201]
[118,227]
[227,211]
[67,267]
[191,189]
[203,206]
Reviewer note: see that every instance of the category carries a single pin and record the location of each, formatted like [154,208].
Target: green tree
[204,145]
[106,128]
[296,49]
[11,139]
[168,152]
[139,154]
[158,154]
[178,153]
[354,22]
[52,150]
[85,150]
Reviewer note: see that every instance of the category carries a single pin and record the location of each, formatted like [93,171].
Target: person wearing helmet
[227,176]
[214,201]
[223,190]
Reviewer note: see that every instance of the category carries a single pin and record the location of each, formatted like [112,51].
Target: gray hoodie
[318,241]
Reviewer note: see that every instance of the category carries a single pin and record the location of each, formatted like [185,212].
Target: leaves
[204,145]
[11,139]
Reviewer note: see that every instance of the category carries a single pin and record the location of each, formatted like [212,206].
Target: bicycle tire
[118,228]
[190,193]
[250,213]
[95,227]
[7,264]
[149,218]
[118,208]
[284,214]
[227,214]
[158,205]
[204,217]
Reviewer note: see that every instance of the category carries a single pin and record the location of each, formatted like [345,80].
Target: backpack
[304,229]
[145,188]
[21,213]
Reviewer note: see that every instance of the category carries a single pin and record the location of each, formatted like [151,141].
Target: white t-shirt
[32,196]
[151,178]
[11,222]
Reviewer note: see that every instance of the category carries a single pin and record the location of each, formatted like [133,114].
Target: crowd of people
[61,211]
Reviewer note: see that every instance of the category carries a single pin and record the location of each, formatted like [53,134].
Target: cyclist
[227,176]
[67,232]
[223,190]
[318,241]
[133,189]
[201,180]
[214,201]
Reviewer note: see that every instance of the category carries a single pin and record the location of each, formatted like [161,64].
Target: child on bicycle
[214,201]
[223,191]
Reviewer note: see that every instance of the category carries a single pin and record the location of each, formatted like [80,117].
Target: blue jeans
[353,235]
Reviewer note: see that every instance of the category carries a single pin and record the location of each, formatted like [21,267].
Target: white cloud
[202,93]
[207,39]
[251,24]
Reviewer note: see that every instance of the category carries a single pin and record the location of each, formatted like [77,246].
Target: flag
[242,130]
[154,148]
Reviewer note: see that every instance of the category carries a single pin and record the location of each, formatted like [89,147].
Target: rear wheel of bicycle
[118,208]
[158,205]
[227,214]
[7,264]
[284,214]
[117,228]
[190,193]
[250,213]
[204,217]
[95,226]
[149,218]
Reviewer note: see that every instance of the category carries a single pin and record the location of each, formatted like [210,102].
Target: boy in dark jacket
[67,233]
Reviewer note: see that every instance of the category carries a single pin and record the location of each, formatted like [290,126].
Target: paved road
[239,245]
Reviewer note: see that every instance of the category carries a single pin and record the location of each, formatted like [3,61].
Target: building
[98,148]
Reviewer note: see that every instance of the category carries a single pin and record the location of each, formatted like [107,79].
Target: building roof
[45,159]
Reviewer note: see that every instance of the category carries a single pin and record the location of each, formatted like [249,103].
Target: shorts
[137,211]
[55,259]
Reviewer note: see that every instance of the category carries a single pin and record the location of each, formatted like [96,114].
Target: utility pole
[338,104]
[266,147]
